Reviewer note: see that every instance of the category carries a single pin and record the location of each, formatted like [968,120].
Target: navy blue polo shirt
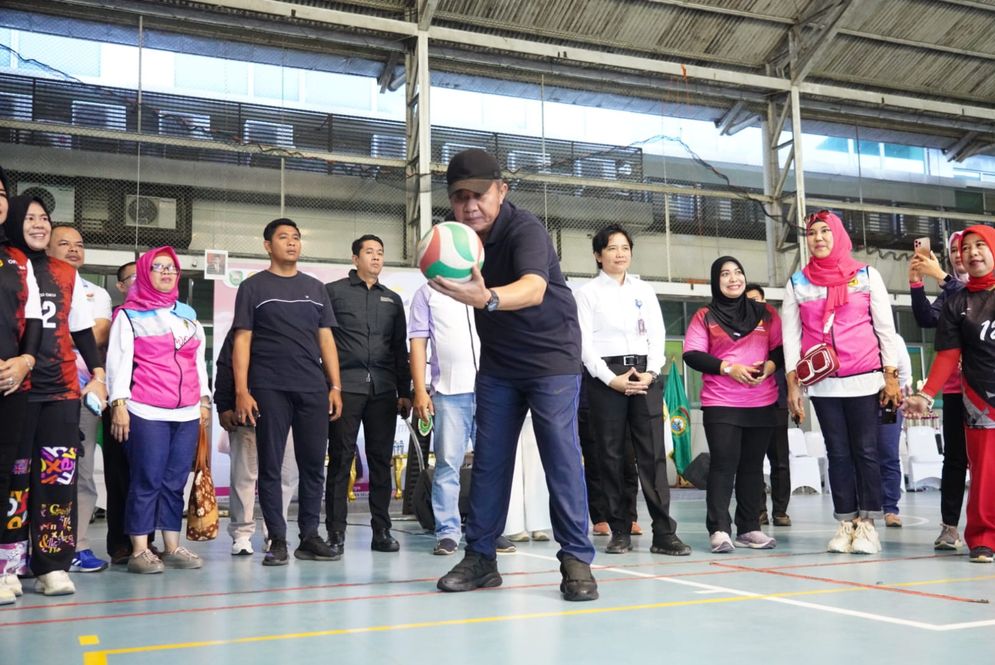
[543,340]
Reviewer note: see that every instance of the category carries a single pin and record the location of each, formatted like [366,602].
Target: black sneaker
[473,572]
[313,548]
[445,547]
[982,555]
[578,583]
[336,541]
[670,545]
[620,544]
[277,555]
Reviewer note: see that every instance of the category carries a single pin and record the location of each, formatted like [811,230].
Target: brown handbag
[202,511]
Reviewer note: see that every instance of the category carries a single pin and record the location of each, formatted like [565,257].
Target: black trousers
[378,415]
[45,475]
[12,414]
[953,478]
[307,414]
[780,466]
[737,460]
[117,479]
[597,502]
[611,413]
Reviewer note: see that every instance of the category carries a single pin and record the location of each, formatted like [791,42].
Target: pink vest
[165,367]
[852,335]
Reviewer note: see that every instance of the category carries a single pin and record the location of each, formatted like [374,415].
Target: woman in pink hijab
[159,400]
[843,303]
[953,479]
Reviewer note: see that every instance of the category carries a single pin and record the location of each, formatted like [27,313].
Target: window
[969,201]
[77,57]
[195,72]
[673,317]
[5,57]
[275,82]
[338,90]
[835,144]
[870,149]
[904,151]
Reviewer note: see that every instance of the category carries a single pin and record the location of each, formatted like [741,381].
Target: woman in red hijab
[159,400]
[965,333]
[843,303]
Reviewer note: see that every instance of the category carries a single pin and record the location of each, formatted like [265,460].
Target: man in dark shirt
[530,359]
[376,386]
[284,353]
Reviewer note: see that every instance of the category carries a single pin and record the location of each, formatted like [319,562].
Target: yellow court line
[89,640]
[100,657]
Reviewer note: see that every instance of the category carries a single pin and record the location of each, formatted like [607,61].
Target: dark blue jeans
[850,428]
[891,467]
[501,408]
[160,456]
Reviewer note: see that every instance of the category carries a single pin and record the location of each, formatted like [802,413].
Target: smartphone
[93,404]
[922,246]
[889,415]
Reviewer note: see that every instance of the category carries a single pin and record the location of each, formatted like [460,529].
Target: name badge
[386,299]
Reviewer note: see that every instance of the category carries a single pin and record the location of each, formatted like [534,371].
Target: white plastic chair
[804,470]
[815,444]
[925,463]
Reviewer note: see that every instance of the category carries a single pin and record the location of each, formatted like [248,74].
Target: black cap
[472,169]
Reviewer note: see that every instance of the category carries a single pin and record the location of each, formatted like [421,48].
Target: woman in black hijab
[735,343]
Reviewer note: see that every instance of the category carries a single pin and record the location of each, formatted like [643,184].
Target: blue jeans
[850,427]
[501,408]
[160,456]
[891,467]
[454,428]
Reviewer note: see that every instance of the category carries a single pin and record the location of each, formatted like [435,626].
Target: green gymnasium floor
[793,604]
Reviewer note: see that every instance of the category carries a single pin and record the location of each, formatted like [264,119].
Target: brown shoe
[893,520]
[636,530]
[763,518]
[602,529]
[782,520]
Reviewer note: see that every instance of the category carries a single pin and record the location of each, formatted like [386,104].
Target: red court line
[857,585]
[857,562]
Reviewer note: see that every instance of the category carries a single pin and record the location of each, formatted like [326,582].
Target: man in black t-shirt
[287,375]
[376,387]
[530,360]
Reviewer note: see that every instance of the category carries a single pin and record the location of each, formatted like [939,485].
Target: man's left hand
[404,407]
[473,292]
[334,404]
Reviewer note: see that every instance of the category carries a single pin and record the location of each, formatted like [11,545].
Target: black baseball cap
[472,169]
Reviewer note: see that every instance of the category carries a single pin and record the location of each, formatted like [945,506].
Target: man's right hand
[422,404]
[246,409]
[228,421]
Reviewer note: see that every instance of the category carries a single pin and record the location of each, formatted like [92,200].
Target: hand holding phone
[922,246]
[93,404]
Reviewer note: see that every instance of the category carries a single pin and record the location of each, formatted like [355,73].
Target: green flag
[678,414]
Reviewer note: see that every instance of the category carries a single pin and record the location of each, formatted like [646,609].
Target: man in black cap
[530,359]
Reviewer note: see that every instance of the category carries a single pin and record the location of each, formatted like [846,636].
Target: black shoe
[620,544]
[578,583]
[670,545]
[982,555]
[277,555]
[336,543]
[313,548]
[445,547]
[502,545]
[763,518]
[473,572]
[781,520]
[383,541]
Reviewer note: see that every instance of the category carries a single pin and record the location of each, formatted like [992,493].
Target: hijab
[143,296]
[955,244]
[737,316]
[987,233]
[16,213]
[6,188]
[837,269]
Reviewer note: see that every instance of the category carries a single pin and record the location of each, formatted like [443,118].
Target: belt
[625,361]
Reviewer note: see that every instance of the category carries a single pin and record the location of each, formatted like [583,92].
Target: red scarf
[836,270]
[987,233]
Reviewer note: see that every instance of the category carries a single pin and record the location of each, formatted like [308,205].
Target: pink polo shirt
[704,334]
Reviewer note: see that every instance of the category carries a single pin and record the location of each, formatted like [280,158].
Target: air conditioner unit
[149,212]
[185,125]
[15,106]
[596,167]
[59,199]
[451,149]
[382,145]
[527,160]
[268,133]
[104,116]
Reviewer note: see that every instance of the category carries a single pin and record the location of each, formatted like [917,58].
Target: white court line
[711,588]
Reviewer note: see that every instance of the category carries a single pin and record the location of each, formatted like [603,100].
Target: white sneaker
[865,538]
[55,583]
[241,547]
[7,596]
[721,542]
[842,542]
[12,582]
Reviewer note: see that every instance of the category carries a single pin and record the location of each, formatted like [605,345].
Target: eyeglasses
[130,278]
[164,268]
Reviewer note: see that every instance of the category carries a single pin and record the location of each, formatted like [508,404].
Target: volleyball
[450,250]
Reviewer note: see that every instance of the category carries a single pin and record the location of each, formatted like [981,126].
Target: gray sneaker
[757,540]
[948,539]
[181,557]
[145,563]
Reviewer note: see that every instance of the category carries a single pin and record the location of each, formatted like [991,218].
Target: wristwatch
[728,369]
[655,375]
[119,402]
[493,303]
